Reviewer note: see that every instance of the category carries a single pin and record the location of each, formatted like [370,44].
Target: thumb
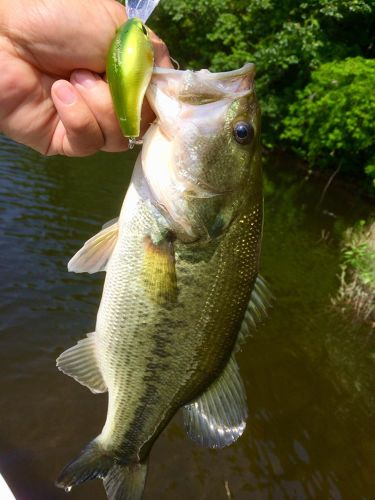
[78,132]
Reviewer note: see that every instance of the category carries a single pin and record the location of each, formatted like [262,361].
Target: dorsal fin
[260,301]
[218,417]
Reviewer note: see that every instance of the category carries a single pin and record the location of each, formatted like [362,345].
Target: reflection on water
[309,376]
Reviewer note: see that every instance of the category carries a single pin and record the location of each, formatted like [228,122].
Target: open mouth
[247,69]
[204,87]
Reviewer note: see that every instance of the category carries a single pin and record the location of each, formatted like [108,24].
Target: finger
[161,52]
[96,94]
[78,133]
[162,59]
[79,32]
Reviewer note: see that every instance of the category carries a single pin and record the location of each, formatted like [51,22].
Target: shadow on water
[309,375]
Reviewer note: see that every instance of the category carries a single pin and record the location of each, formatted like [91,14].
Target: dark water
[308,372]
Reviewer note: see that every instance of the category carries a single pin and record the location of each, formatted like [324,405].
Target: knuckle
[80,124]
[14,87]
[84,138]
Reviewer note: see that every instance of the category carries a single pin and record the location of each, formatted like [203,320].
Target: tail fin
[126,482]
[92,462]
[121,482]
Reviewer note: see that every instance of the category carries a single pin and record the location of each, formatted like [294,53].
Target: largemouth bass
[181,290]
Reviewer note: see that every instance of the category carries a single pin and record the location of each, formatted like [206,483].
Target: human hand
[53,97]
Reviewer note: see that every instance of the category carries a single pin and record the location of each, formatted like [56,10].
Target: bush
[332,121]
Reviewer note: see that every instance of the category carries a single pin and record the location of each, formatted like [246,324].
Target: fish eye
[243,132]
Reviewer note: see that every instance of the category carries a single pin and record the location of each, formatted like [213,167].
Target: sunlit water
[308,373]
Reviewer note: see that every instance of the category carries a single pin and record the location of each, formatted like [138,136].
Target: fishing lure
[130,64]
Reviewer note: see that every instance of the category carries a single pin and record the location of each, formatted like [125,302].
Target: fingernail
[65,93]
[85,78]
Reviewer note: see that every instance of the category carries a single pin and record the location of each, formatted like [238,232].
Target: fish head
[206,139]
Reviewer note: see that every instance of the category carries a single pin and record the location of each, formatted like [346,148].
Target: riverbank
[356,186]
[355,296]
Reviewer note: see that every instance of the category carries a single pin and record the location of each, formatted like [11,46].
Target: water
[308,373]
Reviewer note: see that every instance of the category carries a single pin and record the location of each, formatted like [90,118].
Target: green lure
[130,64]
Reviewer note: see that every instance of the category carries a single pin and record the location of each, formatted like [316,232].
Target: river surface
[309,373]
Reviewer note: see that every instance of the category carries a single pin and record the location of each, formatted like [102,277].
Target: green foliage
[287,41]
[331,122]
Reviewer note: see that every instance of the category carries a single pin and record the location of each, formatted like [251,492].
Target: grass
[356,293]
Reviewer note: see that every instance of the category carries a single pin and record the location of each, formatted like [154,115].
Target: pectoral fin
[218,417]
[159,272]
[95,253]
[80,362]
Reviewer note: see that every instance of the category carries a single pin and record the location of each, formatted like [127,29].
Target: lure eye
[243,132]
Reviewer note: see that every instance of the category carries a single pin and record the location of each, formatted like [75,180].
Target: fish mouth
[247,69]
[204,86]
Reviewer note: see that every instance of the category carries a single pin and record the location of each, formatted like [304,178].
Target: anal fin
[218,417]
[80,362]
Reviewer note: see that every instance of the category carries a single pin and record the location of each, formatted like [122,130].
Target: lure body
[129,68]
